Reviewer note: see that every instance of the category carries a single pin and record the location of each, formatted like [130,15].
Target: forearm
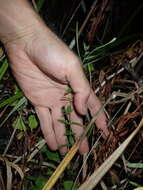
[17,19]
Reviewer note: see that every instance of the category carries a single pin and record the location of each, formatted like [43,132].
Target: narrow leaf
[69,122]
[68,185]
[3,68]
[11,99]
[134,165]
[18,105]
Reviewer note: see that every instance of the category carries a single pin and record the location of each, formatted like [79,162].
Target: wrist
[18,20]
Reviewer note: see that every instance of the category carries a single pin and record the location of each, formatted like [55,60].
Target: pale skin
[45,68]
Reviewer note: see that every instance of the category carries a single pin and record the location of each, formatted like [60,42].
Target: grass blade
[3,68]
[134,165]
[11,99]
[18,105]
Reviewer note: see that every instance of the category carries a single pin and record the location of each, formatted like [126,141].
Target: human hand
[45,68]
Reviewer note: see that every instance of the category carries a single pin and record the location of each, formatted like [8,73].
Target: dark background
[57,14]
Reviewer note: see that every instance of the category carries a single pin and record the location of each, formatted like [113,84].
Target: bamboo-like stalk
[61,167]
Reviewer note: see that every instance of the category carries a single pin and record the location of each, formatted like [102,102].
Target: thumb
[81,88]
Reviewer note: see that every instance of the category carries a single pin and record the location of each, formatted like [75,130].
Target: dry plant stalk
[94,179]
[34,5]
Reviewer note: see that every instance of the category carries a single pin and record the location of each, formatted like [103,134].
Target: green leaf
[71,140]
[39,182]
[50,172]
[66,122]
[68,185]
[69,91]
[139,188]
[86,47]
[53,156]
[134,184]
[69,133]
[90,67]
[134,165]
[3,68]
[19,124]
[68,109]
[32,122]
[105,50]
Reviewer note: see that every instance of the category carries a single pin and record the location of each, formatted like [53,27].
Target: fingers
[94,105]
[84,94]
[78,130]
[80,86]
[46,126]
[59,129]
[56,136]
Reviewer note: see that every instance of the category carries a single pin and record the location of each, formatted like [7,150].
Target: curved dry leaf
[9,175]
[38,146]
[18,169]
[13,165]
